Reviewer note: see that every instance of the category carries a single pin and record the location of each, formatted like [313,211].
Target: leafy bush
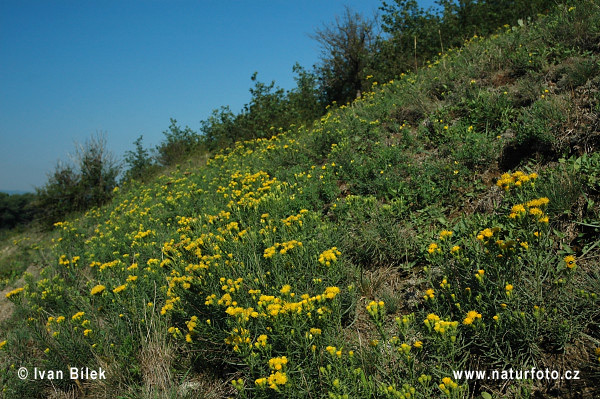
[179,144]
[17,209]
[140,163]
[90,182]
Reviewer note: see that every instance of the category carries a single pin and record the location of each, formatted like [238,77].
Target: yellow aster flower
[98,289]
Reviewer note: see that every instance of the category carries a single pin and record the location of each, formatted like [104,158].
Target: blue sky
[71,69]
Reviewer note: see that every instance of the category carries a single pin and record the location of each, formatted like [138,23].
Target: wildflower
[479,275]
[260,382]
[14,292]
[2,344]
[261,341]
[276,379]
[508,289]
[285,289]
[445,233]
[471,317]
[329,256]
[98,289]
[277,363]
[119,288]
[376,309]
[429,294]
[570,261]
[433,247]
[77,316]
[331,292]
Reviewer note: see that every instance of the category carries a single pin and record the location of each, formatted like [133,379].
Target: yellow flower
[78,315]
[98,289]
[433,247]
[471,317]
[119,288]
[570,261]
[277,363]
[276,379]
[260,382]
[2,344]
[14,292]
[445,233]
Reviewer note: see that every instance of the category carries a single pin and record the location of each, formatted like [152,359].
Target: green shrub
[88,183]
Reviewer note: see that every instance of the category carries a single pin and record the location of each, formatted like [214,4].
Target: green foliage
[417,35]
[270,110]
[179,144]
[17,209]
[346,48]
[140,163]
[87,183]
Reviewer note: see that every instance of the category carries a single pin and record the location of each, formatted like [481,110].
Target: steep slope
[373,254]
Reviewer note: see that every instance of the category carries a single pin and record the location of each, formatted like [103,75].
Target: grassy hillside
[446,221]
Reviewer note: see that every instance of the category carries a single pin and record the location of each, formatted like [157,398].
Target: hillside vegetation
[446,220]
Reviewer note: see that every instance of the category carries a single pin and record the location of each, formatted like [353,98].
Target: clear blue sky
[70,69]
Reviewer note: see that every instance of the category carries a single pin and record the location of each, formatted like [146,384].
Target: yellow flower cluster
[445,234]
[98,289]
[285,247]
[533,208]
[471,317]
[433,248]
[239,336]
[329,256]
[278,363]
[516,179]
[487,233]
[14,292]
[443,327]
[447,385]
[376,309]
[275,380]
[429,294]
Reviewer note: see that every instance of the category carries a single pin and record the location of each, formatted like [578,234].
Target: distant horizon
[16,192]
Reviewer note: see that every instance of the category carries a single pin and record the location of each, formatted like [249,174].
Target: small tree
[139,161]
[88,182]
[180,143]
[98,172]
[346,47]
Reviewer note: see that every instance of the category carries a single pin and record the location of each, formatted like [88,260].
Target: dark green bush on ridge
[16,209]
